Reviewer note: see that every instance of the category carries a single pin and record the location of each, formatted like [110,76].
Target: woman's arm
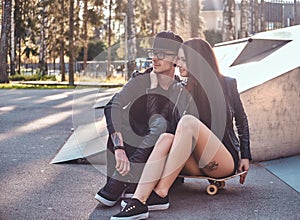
[241,123]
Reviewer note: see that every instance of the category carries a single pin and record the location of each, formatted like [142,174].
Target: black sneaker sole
[105,201]
[140,216]
[151,207]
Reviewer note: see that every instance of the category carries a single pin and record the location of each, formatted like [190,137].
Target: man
[133,131]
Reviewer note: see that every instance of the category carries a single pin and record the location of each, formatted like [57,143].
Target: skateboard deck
[215,183]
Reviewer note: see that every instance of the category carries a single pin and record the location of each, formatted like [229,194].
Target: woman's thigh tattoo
[211,166]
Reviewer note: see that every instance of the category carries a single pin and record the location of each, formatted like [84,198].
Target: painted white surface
[255,73]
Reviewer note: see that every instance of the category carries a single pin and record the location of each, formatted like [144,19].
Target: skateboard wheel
[212,190]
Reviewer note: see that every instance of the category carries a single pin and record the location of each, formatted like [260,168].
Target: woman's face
[181,63]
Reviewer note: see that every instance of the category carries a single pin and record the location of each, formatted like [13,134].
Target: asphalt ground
[35,124]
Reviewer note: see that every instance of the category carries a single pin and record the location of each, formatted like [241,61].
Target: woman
[206,145]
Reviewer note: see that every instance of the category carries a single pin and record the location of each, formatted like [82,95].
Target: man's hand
[122,162]
[243,166]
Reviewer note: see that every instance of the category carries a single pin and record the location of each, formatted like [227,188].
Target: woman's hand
[243,166]
[122,162]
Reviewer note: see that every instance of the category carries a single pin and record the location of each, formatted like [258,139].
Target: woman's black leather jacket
[237,114]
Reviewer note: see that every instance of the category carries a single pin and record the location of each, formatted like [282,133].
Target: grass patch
[35,77]
[31,86]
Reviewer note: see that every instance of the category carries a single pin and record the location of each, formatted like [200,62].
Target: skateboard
[215,183]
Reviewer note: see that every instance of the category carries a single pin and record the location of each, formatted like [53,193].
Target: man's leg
[115,183]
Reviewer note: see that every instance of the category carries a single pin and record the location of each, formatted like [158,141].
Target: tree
[295,13]
[255,16]
[196,22]
[42,35]
[173,16]
[62,42]
[244,18]
[165,9]
[85,35]
[178,9]
[153,15]
[12,41]
[228,20]
[262,18]
[5,30]
[71,43]
[108,70]
[131,41]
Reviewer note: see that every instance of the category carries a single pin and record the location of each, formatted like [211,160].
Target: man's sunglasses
[160,54]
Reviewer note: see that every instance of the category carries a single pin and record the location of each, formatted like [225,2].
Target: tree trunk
[62,44]
[71,44]
[5,30]
[85,37]
[173,16]
[251,18]
[165,8]
[13,42]
[42,56]
[194,18]
[255,16]
[228,20]
[244,19]
[154,15]
[296,17]
[131,42]
[262,18]
[108,69]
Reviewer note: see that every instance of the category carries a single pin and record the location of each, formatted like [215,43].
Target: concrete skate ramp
[268,76]
[90,135]
[253,64]
[87,141]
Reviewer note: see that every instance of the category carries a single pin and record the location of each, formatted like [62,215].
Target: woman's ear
[174,65]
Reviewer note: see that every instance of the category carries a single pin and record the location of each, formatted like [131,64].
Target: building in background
[274,13]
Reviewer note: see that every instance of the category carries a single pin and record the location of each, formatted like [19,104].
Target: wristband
[119,147]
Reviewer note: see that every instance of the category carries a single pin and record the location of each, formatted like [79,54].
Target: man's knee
[157,124]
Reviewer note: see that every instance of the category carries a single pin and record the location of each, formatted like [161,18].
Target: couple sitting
[190,125]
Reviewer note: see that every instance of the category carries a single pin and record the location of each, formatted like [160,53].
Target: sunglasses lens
[151,54]
[159,54]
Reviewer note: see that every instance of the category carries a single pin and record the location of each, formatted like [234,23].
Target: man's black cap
[166,40]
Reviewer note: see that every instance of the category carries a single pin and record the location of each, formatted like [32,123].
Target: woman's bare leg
[154,167]
[208,150]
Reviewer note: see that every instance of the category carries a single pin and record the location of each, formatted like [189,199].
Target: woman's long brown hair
[199,55]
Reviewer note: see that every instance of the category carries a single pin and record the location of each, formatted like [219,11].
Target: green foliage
[213,37]
[94,49]
[35,77]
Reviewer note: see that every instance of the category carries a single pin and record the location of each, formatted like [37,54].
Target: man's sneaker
[154,202]
[111,192]
[133,210]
